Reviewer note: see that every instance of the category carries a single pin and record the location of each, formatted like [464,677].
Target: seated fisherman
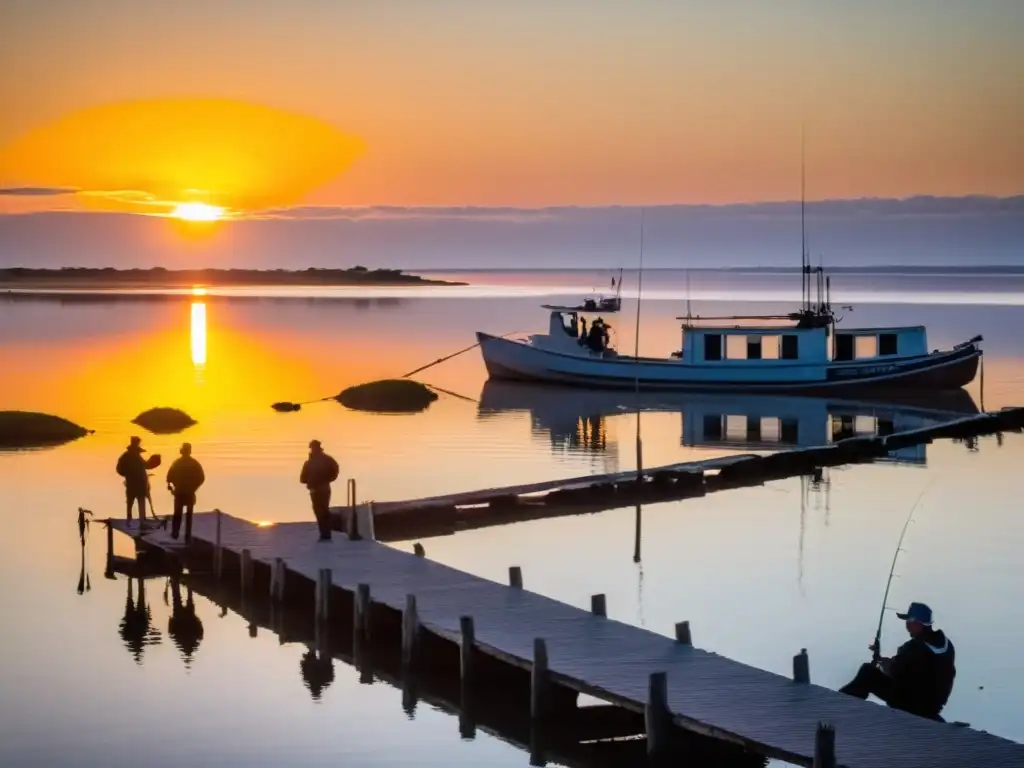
[919,678]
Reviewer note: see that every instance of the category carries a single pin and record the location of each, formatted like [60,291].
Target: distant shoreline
[99,279]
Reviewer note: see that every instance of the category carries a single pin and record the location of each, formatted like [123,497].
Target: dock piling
[466,649]
[323,593]
[218,547]
[801,667]
[361,612]
[353,524]
[418,550]
[246,569]
[110,549]
[598,605]
[410,633]
[683,633]
[824,747]
[657,719]
[539,682]
[277,579]
[515,577]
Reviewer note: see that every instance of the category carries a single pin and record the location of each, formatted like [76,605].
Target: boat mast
[636,364]
[805,263]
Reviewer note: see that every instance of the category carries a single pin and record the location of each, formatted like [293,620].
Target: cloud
[37,191]
[914,206]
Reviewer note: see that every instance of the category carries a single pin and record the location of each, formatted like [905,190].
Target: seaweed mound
[388,396]
[28,429]
[164,421]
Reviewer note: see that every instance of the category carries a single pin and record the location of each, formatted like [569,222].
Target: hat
[918,612]
[186,449]
[136,442]
[314,443]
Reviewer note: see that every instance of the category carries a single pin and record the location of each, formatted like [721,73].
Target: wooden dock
[446,514]
[671,682]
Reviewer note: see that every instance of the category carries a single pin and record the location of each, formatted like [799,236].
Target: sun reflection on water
[197,331]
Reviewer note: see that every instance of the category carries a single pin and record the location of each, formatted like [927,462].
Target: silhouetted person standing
[184,478]
[317,672]
[132,467]
[318,472]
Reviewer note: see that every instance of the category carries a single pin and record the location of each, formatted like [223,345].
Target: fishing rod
[636,370]
[876,648]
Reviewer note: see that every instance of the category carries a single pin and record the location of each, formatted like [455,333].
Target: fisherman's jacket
[923,671]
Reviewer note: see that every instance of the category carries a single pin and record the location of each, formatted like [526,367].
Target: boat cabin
[568,327]
[721,344]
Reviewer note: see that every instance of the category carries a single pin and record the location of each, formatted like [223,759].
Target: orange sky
[493,103]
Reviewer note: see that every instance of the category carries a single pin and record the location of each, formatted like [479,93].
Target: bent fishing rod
[876,648]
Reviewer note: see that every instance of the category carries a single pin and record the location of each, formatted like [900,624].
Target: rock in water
[27,429]
[388,396]
[164,421]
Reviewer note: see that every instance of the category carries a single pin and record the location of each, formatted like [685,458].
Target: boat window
[753,429]
[735,428]
[569,323]
[712,346]
[887,344]
[771,429]
[886,427]
[866,346]
[771,347]
[844,347]
[735,347]
[789,431]
[712,426]
[753,347]
[790,348]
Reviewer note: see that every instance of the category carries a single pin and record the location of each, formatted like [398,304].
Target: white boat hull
[522,361]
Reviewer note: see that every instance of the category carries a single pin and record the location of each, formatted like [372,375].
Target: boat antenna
[689,317]
[805,265]
[876,647]
[636,369]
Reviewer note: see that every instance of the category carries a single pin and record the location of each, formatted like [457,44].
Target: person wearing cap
[184,478]
[919,678]
[318,472]
[132,467]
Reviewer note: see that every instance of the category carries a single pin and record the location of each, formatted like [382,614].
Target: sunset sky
[481,102]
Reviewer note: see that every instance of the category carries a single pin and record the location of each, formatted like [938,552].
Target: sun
[197,212]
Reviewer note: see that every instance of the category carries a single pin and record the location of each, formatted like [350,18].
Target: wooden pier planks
[707,693]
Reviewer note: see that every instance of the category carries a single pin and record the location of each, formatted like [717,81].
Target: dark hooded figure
[919,678]
[132,467]
[184,627]
[318,472]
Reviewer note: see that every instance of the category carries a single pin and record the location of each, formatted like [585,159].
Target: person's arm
[200,475]
[304,474]
[899,665]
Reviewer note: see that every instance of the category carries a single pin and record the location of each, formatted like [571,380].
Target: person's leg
[189,509]
[179,504]
[321,510]
[129,498]
[870,680]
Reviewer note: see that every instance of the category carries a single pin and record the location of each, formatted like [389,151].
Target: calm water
[760,573]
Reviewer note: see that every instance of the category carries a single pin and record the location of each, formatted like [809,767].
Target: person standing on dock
[318,472]
[184,478]
[919,678]
[132,467]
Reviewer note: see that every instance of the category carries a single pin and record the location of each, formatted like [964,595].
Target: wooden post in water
[110,549]
[540,687]
[218,550]
[418,550]
[246,571]
[369,529]
[466,649]
[824,747]
[598,606]
[657,719]
[683,633]
[515,577]
[277,580]
[323,593]
[353,524]
[801,667]
[410,633]
[361,612]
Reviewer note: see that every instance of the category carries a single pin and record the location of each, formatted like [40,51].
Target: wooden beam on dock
[598,606]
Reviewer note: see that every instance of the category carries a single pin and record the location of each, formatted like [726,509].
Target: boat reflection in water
[577,419]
